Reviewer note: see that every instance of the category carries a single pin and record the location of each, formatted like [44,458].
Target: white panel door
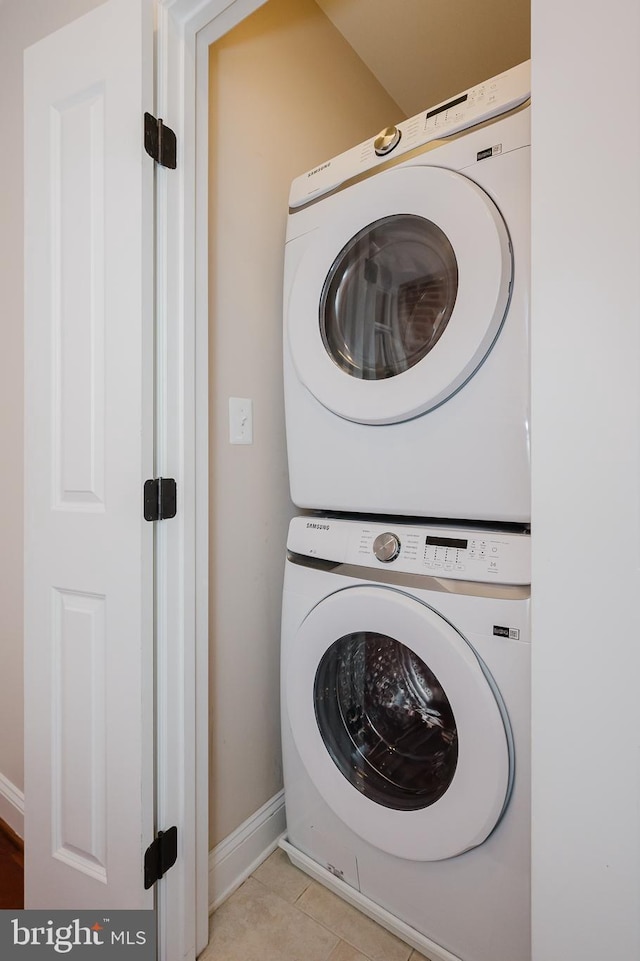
[89,447]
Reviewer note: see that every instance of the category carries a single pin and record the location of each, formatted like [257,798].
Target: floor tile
[416,956]
[279,875]
[345,952]
[349,924]
[257,925]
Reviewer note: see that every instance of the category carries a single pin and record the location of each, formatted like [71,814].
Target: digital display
[445,106]
[447,542]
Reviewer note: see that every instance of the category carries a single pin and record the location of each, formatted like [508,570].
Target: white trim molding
[238,855]
[185,29]
[12,805]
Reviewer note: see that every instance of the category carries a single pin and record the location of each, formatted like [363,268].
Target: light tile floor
[281,914]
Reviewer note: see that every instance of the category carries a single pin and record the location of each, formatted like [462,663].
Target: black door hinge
[159,141]
[161,855]
[160,499]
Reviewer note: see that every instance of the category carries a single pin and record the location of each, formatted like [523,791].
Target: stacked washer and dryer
[405,631]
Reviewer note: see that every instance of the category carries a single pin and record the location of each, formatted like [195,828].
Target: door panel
[89,448]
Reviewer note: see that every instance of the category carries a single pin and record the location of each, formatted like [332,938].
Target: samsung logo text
[317,170]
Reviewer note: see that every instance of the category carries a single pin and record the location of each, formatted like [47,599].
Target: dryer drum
[386,721]
[388,297]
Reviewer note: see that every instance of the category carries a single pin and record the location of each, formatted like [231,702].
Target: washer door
[399,297]
[398,723]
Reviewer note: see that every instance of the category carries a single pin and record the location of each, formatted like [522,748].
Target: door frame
[185,30]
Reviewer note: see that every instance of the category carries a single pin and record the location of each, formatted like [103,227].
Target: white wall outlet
[240,420]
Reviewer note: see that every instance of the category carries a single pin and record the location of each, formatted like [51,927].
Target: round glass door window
[388,297]
[386,721]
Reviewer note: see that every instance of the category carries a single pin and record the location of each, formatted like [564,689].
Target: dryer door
[400,294]
[399,724]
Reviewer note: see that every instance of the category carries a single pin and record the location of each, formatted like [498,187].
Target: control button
[386,140]
[386,547]
[448,567]
[459,567]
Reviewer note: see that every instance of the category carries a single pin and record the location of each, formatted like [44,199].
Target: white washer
[405,726]
[406,316]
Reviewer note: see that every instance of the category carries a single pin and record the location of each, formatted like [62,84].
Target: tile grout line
[332,931]
[309,917]
[312,883]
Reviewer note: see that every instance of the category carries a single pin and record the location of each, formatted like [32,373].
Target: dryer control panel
[482,102]
[461,553]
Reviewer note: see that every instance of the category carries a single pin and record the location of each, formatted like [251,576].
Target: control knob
[386,547]
[386,140]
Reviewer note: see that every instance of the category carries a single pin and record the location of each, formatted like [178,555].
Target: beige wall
[22,22]
[425,51]
[287,92]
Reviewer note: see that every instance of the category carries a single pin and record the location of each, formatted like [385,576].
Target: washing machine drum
[399,295]
[399,724]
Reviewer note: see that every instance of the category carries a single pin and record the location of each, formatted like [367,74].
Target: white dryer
[406,316]
[405,727]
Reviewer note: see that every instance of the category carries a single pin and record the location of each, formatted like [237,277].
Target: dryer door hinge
[160,142]
[161,855]
[160,499]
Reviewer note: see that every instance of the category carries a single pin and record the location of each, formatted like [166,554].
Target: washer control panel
[471,554]
[483,102]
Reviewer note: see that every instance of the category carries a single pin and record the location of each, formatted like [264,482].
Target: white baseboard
[12,805]
[234,859]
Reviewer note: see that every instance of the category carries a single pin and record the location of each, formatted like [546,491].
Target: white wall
[276,111]
[586,473]
[22,22]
